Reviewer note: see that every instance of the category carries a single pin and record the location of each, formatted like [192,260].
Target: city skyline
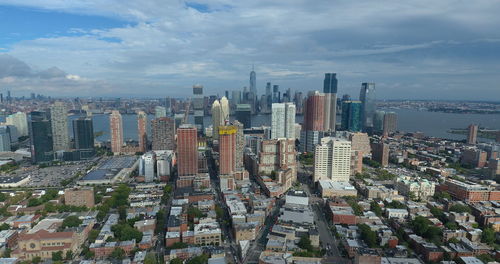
[155,49]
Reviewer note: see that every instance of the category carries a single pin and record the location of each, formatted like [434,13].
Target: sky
[420,49]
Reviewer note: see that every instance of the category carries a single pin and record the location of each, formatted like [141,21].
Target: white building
[283,120]
[419,188]
[160,111]
[332,160]
[147,166]
[59,122]
[20,121]
[164,164]
[396,213]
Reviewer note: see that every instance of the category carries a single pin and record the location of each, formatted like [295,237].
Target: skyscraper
[330,106]
[116,130]
[40,130]
[367,97]
[83,132]
[20,121]
[378,121]
[163,133]
[198,107]
[227,149]
[253,82]
[142,121]
[244,115]
[216,118]
[187,150]
[332,160]
[390,123]
[225,110]
[59,119]
[472,134]
[313,125]
[240,145]
[351,116]
[276,94]
[283,120]
[4,139]
[160,111]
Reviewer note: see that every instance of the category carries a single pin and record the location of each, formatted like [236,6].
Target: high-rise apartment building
[198,107]
[367,97]
[351,116]
[332,160]
[390,123]
[240,145]
[313,125]
[83,132]
[279,155]
[225,109]
[142,121]
[330,106]
[160,111]
[147,166]
[380,153]
[20,121]
[59,119]
[283,120]
[4,139]
[187,150]
[378,121]
[163,133]
[40,130]
[116,130]
[227,149]
[472,134]
[244,115]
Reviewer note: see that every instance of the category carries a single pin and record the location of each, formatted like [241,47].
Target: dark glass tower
[244,115]
[198,107]
[351,116]
[40,130]
[367,98]
[330,83]
[83,131]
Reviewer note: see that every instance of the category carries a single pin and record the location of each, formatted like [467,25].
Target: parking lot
[54,175]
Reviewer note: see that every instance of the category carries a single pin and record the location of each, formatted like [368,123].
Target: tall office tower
[312,128]
[298,99]
[216,118]
[240,145]
[332,160]
[269,95]
[276,93]
[40,130]
[142,122]
[330,91]
[472,134]
[227,149]
[116,130]
[4,139]
[1,97]
[198,107]
[351,116]
[367,97]
[20,121]
[163,133]
[168,105]
[283,120]
[235,98]
[390,123]
[225,110]
[160,111]
[380,153]
[187,150]
[244,115]
[253,82]
[59,119]
[378,121]
[9,98]
[147,166]
[83,132]
[279,155]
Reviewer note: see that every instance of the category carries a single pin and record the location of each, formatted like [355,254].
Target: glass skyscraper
[40,130]
[367,98]
[351,116]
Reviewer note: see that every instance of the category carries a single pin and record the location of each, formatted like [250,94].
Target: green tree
[3,197]
[488,236]
[485,258]
[178,245]
[369,236]
[69,255]
[451,225]
[176,261]
[396,205]
[122,212]
[6,253]
[117,254]
[374,207]
[201,259]
[93,234]
[305,243]
[194,212]
[4,226]
[150,258]
[57,256]
[460,208]
[125,232]
[36,260]
[71,221]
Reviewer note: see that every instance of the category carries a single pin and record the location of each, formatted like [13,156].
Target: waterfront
[434,124]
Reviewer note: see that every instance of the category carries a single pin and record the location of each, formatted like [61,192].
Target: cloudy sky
[418,49]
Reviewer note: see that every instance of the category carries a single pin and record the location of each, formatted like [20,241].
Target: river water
[434,124]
